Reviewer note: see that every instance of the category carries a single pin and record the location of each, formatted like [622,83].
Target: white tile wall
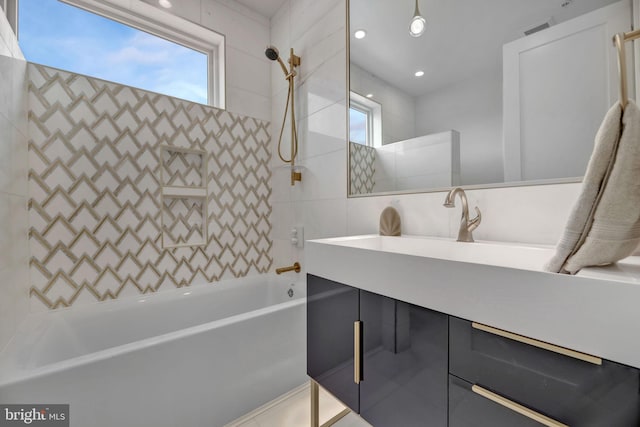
[321,132]
[324,177]
[14,253]
[398,108]
[428,161]
[241,72]
[534,214]
[323,87]
[248,70]
[527,214]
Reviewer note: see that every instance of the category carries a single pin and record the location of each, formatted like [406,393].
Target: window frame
[10,10]
[159,23]
[373,111]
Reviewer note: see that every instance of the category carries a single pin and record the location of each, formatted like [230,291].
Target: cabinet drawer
[469,409]
[572,391]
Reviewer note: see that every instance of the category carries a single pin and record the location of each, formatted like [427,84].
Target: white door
[558,85]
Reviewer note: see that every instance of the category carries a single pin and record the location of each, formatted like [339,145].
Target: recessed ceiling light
[165,3]
[360,34]
[419,73]
[369,95]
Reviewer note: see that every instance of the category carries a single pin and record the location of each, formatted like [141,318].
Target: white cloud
[131,54]
[143,48]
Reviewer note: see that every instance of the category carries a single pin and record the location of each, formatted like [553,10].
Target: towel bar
[619,40]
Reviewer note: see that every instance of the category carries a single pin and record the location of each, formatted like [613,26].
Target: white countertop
[595,312]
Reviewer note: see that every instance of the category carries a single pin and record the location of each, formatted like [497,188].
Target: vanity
[414,331]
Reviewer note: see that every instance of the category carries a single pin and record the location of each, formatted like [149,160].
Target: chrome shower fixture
[272,53]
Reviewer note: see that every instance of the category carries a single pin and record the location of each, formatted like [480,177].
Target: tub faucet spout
[466,225]
[295,267]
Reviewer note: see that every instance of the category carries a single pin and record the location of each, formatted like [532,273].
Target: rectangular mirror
[492,93]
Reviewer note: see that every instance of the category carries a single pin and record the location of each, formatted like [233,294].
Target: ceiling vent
[543,26]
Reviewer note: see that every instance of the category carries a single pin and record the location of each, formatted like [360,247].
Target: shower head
[272,53]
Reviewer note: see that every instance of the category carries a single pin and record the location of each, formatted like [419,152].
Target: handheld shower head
[272,53]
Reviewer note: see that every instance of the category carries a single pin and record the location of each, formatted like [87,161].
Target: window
[358,126]
[365,121]
[139,47]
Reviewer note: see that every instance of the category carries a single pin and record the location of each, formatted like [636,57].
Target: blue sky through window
[357,126]
[62,36]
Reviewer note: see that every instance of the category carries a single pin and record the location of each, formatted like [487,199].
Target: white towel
[604,225]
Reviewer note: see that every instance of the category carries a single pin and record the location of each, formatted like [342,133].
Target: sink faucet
[466,225]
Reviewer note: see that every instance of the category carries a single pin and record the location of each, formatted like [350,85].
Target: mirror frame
[551,181]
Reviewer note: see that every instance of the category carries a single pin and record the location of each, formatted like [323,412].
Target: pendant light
[417,24]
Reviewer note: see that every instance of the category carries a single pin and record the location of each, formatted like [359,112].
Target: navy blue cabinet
[566,389]
[332,309]
[403,354]
[404,363]
[468,409]
[400,365]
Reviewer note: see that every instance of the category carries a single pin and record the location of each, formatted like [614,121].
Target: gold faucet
[466,225]
[295,267]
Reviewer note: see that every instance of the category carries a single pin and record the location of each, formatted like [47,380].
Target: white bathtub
[198,356]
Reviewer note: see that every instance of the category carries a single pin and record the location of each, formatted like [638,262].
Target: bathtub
[197,356]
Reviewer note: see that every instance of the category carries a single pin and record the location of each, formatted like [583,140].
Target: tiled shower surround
[362,165]
[95,208]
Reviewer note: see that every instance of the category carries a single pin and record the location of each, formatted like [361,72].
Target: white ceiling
[463,37]
[266,8]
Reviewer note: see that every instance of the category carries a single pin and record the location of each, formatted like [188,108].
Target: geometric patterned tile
[183,221]
[362,161]
[182,168]
[95,190]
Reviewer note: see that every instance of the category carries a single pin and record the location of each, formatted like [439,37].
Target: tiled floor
[294,410]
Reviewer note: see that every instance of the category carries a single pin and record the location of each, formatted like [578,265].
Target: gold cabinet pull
[357,351]
[516,407]
[540,344]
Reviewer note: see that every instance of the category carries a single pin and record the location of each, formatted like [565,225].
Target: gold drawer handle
[540,344]
[357,351]
[516,407]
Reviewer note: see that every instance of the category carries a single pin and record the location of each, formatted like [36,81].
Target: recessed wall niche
[184,197]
